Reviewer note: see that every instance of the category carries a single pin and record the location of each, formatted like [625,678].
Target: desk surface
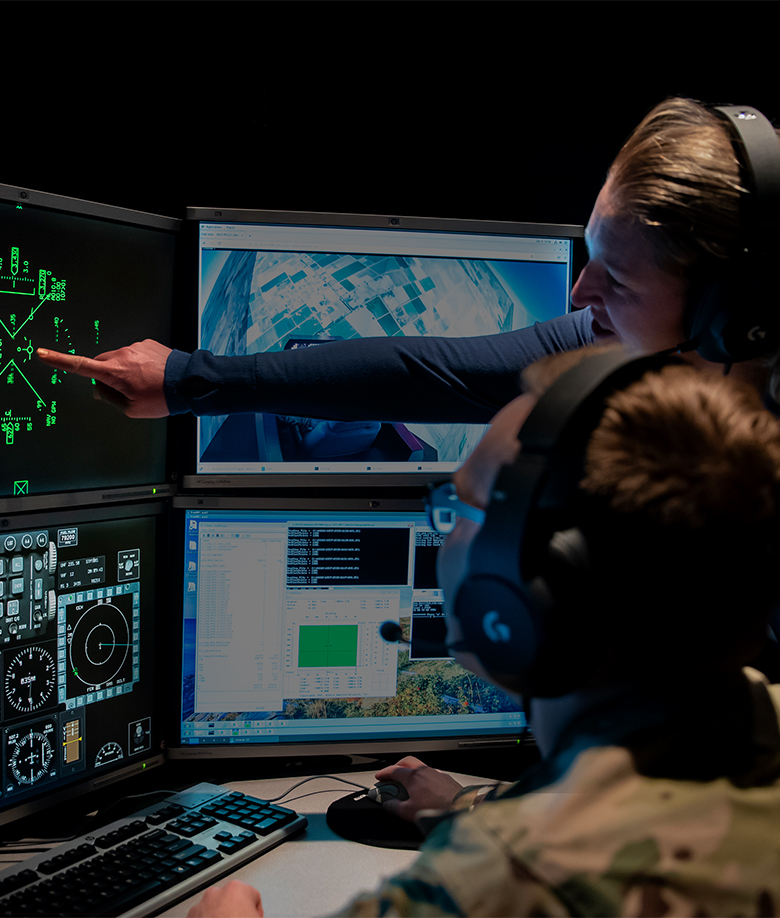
[317,872]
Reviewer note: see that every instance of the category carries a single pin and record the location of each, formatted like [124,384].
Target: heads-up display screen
[82,278]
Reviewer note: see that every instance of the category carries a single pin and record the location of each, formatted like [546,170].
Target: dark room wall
[508,111]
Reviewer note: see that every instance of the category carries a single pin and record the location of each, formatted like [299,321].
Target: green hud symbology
[28,299]
[80,285]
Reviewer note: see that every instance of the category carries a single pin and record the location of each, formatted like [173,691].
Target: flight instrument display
[80,285]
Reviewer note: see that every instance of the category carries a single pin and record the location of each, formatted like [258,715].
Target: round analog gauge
[31,758]
[111,752]
[30,679]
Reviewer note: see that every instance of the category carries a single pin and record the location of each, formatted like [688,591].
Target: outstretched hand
[131,379]
[428,788]
[234,900]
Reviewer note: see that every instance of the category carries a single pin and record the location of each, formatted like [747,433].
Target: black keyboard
[145,863]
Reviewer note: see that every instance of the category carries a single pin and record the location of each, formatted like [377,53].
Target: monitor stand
[359,819]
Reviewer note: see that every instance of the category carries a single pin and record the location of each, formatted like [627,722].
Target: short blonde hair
[678,176]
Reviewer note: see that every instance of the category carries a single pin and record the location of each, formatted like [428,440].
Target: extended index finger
[73,363]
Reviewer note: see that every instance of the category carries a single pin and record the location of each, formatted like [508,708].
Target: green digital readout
[30,300]
[79,283]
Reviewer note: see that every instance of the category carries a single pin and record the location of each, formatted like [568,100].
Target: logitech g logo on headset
[496,630]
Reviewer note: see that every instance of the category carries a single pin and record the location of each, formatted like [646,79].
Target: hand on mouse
[428,788]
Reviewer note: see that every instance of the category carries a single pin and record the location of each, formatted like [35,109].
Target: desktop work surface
[317,872]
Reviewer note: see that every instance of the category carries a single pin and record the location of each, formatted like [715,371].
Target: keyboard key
[134,861]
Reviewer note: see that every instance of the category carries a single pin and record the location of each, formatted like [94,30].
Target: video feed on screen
[82,285]
[273,288]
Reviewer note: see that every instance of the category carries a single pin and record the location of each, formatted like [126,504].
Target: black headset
[736,315]
[530,549]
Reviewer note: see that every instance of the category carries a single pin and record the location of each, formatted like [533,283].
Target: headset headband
[545,479]
[735,316]
[758,149]
[504,604]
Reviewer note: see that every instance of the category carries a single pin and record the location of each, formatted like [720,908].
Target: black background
[488,110]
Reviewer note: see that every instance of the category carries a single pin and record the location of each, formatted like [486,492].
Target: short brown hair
[681,493]
[687,448]
[687,466]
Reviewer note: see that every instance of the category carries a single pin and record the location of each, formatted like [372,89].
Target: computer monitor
[280,646]
[79,599]
[273,281]
[83,278]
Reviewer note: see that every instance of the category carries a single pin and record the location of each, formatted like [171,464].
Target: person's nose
[588,289]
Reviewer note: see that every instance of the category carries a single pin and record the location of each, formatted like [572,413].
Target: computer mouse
[383,791]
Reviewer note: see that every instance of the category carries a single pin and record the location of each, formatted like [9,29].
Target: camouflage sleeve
[604,839]
[474,794]
[460,871]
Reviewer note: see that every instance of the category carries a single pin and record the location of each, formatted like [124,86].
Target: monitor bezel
[194,216]
[77,497]
[83,786]
[376,747]
[21,195]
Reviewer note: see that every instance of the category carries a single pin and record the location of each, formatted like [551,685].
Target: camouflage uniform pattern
[605,840]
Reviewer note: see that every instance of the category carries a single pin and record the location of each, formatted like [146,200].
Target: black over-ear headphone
[736,316]
[530,554]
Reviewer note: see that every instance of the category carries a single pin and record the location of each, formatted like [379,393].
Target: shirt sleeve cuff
[175,368]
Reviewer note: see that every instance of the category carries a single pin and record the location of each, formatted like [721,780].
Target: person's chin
[601,334]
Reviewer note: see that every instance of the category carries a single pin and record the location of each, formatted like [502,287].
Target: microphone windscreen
[391,631]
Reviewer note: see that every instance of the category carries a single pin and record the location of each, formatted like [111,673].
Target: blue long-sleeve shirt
[389,379]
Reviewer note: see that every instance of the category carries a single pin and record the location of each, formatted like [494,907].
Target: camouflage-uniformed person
[658,792]
[658,788]
[587,834]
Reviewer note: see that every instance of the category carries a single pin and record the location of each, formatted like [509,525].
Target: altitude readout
[30,679]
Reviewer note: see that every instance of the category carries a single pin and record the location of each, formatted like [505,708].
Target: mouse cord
[315,778]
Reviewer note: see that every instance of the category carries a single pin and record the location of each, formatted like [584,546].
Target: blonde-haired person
[673,214]
[668,215]
[658,789]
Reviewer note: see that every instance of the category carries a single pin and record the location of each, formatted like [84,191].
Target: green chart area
[327,645]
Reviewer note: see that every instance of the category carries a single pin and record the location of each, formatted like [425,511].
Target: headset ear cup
[706,316]
[517,629]
[501,622]
[520,600]
[564,658]
[733,317]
